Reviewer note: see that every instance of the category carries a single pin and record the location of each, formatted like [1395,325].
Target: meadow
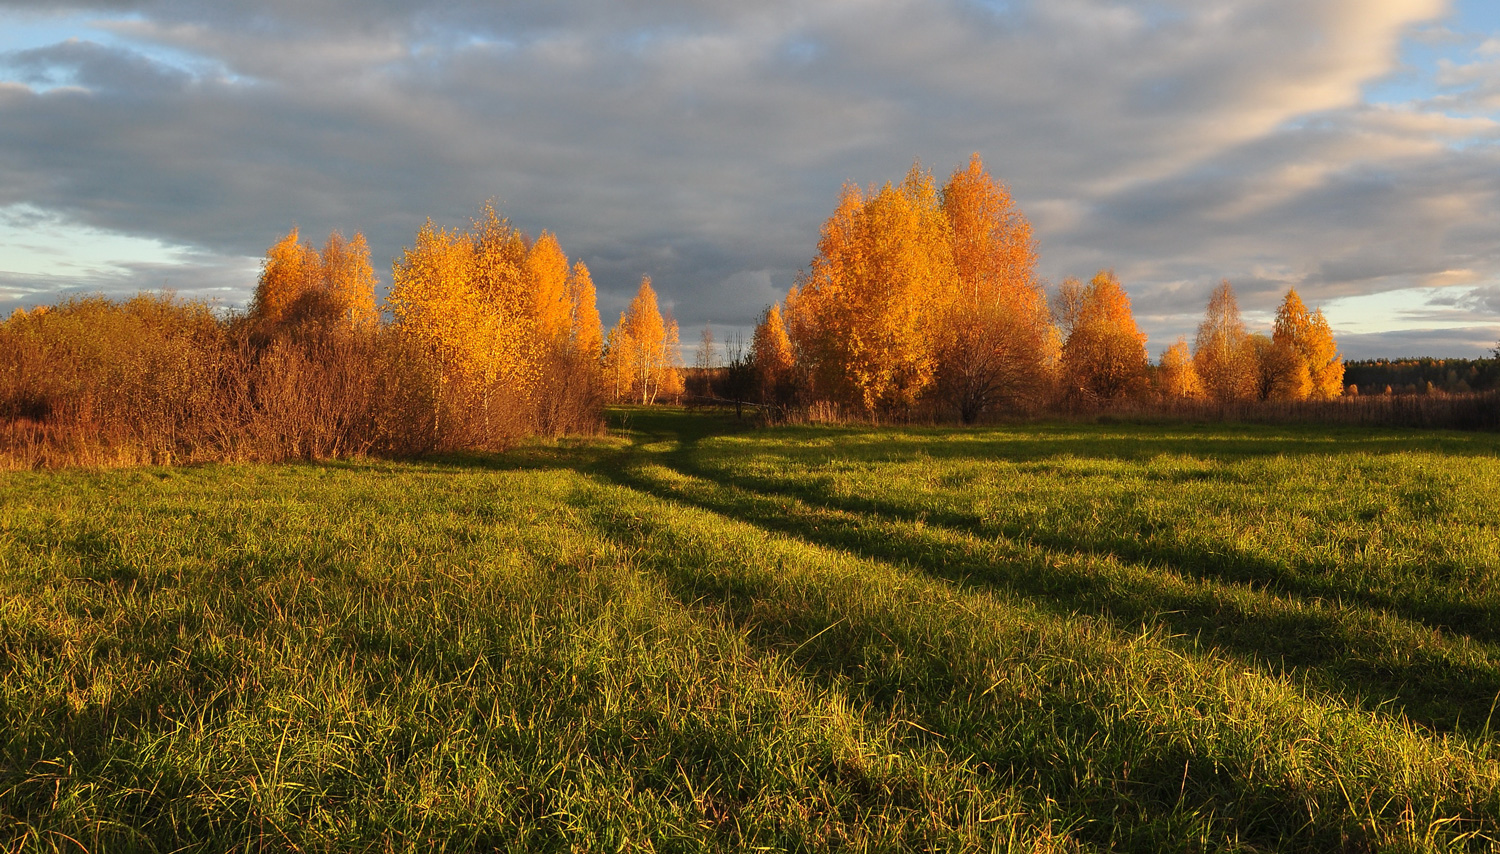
[691,635]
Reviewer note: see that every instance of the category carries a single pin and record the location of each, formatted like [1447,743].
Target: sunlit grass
[694,636]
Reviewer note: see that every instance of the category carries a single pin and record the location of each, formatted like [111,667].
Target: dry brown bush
[155,380]
[95,382]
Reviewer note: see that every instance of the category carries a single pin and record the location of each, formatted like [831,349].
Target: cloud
[94,67]
[216,280]
[1441,343]
[703,143]
[1481,300]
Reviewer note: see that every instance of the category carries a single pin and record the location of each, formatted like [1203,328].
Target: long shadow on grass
[1058,746]
[1454,613]
[1438,609]
[1332,648]
[1441,609]
[1053,441]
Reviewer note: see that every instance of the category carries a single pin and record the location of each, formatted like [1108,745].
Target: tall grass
[691,636]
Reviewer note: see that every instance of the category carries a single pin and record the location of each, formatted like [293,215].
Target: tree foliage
[289,271]
[509,331]
[1222,353]
[1177,374]
[546,277]
[1265,363]
[643,352]
[587,329]
[771,356]
[996,346]
[349,280]
[1104,357]
[1306,358]
[302,291]
[862,320]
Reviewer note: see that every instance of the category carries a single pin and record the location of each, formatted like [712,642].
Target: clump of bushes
[475,355]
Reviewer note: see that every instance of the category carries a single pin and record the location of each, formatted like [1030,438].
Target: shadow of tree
[1283,625]
[1056,745]
[1466,612]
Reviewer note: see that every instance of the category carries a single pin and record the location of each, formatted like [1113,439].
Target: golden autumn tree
[771,357]
[1323,359]
[1222,352]
[672,385]
[1105,354]
[510,330]
[996,344]
[349,280]
[434,302]
[307,294]
[587,331]
[546,272]
[1266,361]
[503,309]
[643,350]
[578,381]
[564,326]
[862,320]
[290,269]
[1306,359]
[619,356]
[1177,375]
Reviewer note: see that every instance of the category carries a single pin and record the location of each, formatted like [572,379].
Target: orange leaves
[305,293]
[1298,361]
[290,269]
[1105,354]
[546,276]
[587,329]
[350,280]
[771,354]
[299,286]
[862,319]
[493,311]
[643,350]
[1308,363]
[1177,376]
[1223,354]
[996,345]
[994,252]
[916,293]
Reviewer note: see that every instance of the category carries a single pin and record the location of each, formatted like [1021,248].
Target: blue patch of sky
[20,31]
[999,8]
[23,31]
[41,243]
[1454,39]
[643,40]
[1159,15]
[801,50]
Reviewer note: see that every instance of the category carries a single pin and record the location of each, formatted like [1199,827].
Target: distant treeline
[1422,376]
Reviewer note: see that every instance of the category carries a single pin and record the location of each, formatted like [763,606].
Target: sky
[1347,148]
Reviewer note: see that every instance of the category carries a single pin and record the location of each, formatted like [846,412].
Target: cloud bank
[703,143]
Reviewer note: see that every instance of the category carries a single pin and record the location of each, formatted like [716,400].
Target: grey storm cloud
[703,143]
[1446,343]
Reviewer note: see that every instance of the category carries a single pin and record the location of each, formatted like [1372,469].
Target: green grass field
[696,636]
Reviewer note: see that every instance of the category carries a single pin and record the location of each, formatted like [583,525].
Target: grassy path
[693,636]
